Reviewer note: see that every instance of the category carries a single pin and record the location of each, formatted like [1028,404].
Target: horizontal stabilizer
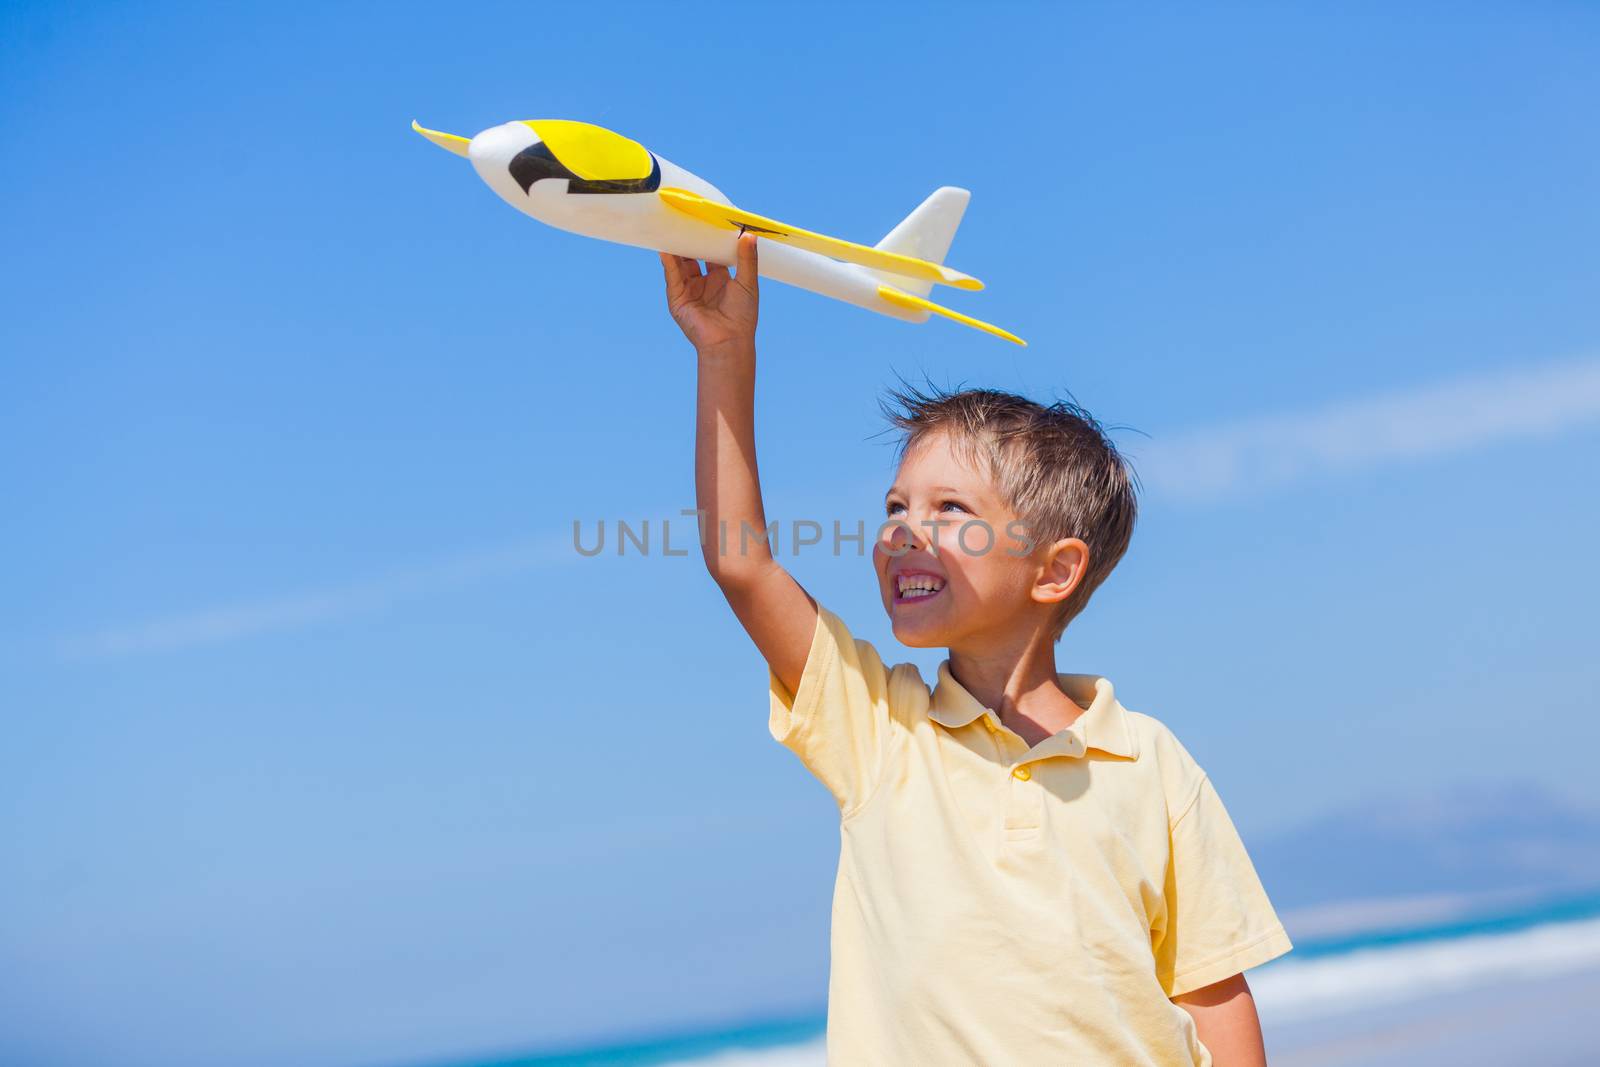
[910,302]
[733,218]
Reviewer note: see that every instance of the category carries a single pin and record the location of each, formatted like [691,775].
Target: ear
[1065,563]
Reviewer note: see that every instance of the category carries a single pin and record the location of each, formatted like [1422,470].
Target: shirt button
[1022,774]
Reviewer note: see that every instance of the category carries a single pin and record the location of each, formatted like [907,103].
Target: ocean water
[1322,978]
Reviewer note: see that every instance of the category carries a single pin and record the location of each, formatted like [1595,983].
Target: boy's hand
[715,311]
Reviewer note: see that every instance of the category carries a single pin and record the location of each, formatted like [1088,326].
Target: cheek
[988,577]
[880,571]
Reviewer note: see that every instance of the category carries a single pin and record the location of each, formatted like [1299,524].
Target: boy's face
[942,585]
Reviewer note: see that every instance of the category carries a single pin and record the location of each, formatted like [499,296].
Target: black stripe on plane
[537,162]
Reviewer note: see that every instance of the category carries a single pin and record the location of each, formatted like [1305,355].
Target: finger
[716,270]
[690,267]
[674,276]
[746,260]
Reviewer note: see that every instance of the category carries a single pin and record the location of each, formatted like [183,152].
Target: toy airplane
[588,180]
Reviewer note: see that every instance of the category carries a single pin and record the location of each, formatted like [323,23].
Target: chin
[917,634]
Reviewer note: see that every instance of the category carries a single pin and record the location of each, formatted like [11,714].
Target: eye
[893,506]
[952,504]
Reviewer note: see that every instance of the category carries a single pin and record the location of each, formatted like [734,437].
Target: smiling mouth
[915,587]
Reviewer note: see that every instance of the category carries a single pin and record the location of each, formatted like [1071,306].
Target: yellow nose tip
[447,141]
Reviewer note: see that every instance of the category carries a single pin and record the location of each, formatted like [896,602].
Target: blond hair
[1055,466]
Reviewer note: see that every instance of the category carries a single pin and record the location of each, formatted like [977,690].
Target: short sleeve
[837,721]
[1219,921]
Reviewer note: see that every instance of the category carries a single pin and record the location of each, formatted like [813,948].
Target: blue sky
[322,744]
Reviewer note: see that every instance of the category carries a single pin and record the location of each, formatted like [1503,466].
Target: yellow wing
[733,218]
[906,300]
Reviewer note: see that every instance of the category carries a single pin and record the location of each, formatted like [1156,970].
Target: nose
[897,537]
[495,147]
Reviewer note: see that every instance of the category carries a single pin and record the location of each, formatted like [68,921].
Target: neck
[1017,680]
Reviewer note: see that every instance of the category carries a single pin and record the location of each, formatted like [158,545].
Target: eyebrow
[893,489]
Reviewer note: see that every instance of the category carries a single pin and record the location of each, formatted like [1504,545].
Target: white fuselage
[644,220]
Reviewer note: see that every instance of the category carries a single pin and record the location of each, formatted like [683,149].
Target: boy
[1029,873]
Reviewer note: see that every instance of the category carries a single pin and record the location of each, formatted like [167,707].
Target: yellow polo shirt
[1010,906]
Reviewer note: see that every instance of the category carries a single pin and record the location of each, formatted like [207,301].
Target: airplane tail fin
[926,233]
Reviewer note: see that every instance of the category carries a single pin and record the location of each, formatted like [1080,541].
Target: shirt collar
[1104,725]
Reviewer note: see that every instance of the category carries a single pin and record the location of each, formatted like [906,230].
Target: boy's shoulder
[1180,773]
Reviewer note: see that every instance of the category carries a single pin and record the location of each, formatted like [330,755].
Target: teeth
[918,585]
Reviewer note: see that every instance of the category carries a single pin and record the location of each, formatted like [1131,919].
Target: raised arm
[717,312]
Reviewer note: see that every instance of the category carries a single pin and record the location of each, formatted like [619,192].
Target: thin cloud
[1272,450]
[1396,426]
[250,618]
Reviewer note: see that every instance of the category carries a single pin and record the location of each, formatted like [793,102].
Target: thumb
[745,260]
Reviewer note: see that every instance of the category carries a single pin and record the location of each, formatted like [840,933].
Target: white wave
[810,1054]
[1289,990]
